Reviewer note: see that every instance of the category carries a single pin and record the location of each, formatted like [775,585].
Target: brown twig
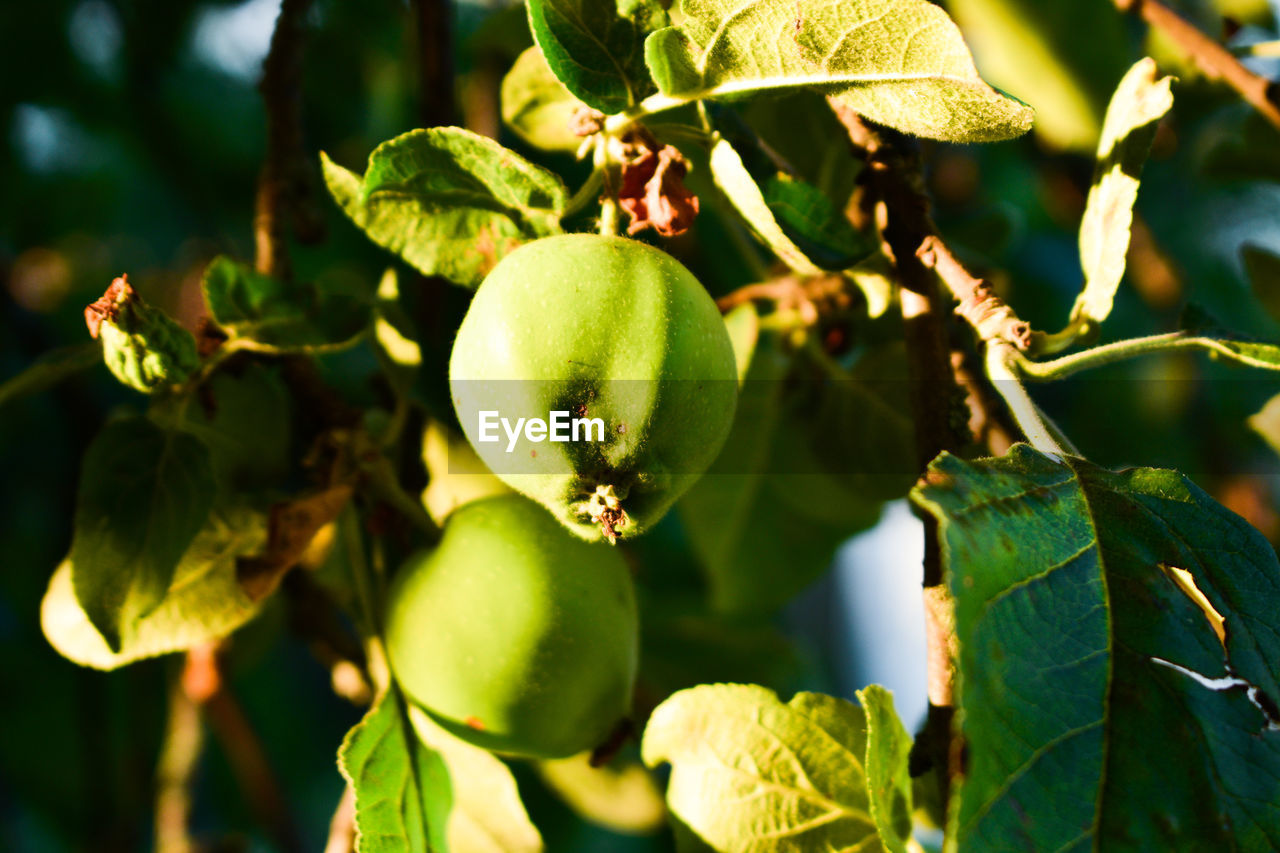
[1213,59]
[179,760]
[284,183]
[893,187]
[436,101]
[203,682]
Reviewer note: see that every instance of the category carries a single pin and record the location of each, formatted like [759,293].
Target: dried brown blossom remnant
[108,305]
[586,121]
[653,190]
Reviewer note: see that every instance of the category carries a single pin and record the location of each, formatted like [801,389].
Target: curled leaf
[144,347]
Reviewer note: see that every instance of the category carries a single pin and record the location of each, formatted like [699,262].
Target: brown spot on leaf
[108,305]
[474,723]
[938,479]
[291,527]
[653,190]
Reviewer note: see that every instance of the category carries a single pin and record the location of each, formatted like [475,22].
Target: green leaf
[1033,49]
[271,315]
[1261,266]
[455,473]
[1088,610]
[621,796]
[751,773]
[402,788]
[901,63]
[814,224]
[875,277]
[801,131]
[448,201]
[733,179]
[50,369]
[1266,423]
[888,779]
[245,422]
[596,47]
[684,646]
[1140,101]
[144,495]
[485,813]
[204,602]
[766,519]
[537,106]
[1202,331]
[743,326]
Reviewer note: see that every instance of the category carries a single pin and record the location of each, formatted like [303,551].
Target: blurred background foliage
[133,135]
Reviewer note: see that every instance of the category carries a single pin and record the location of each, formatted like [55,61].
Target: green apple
[610,335]
[514,634]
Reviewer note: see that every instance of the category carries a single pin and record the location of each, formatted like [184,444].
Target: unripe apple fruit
[597,329]
[514,634]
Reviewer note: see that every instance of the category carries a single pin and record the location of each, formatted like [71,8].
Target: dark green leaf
[814,224]
[596,47]
[144,494]
[448,201]
[244,421]
[684,646]
[204,602]
[767,517]
[1262,267]
[1088,611]
[902,63]
[49,369]
[402,788]
[271,315]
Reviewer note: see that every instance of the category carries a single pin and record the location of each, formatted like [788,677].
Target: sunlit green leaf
[448,201]
[204,602]
[733,179]
[402,787]
[1033,49]
[750,773]
[888,779]
[485,812]
[537,106]
[901,63]
[1140,101]
[621,795]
